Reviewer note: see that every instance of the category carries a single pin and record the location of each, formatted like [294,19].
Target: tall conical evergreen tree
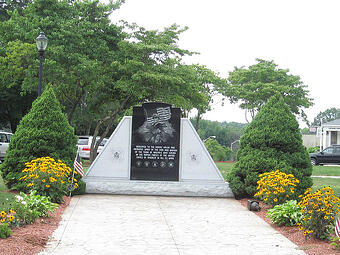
[44,131]
[271,141]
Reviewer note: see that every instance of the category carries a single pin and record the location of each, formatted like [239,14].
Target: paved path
[147,225]
[325,176]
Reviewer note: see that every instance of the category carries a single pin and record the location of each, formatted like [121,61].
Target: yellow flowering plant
[276,187]
[319,210]
[7,219]
[48,177]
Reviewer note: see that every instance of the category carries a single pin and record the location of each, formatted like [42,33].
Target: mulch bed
[31,239]
[310,246]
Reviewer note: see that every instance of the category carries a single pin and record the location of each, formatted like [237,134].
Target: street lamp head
[41,41]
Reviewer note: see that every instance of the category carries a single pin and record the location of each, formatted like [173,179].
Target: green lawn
[2,185]
[326,170]
[5,197]
[317,170]
[85,168]
[224,168]
[332,182]
[86,165]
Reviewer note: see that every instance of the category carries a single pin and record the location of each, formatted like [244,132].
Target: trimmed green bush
[272,141]
[44,131]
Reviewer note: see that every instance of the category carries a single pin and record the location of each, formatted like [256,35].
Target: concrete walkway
[325,176]
[147,225]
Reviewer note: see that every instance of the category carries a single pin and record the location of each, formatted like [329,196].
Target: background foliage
[217,151]
[224,132]
[326,116]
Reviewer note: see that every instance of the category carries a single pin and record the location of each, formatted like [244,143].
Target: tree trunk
[198,118]
[76,103]
[245,115]
[94,148]
[112,118]
[88,129]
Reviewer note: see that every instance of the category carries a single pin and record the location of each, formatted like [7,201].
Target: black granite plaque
[155,142]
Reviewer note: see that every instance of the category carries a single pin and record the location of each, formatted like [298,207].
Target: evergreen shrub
[43,132]
[271,141]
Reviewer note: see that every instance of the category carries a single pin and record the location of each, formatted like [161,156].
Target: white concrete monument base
[131,187]
[198,174]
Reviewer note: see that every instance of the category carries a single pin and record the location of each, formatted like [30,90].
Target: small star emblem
[171,164]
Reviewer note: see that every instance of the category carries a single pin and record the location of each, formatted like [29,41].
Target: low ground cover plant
[24,214]
[276,187]
[319,210]
[48,177]
[286,214]
[335,242]
[42,205]
[24,209]
[27,208]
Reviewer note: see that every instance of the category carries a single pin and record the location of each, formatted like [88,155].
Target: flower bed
[31,239]
[311,246]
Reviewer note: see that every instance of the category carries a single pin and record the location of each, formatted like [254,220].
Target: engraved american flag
[163,114]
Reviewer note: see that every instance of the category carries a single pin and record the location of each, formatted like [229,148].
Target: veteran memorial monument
[156,152]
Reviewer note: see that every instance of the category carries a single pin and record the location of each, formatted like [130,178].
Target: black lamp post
[41,41]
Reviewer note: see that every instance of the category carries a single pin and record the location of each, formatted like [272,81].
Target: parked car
[84,146]
[330,155]
[5,138]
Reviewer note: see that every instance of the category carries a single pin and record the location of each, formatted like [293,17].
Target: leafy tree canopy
[98,68]
[326,116]
[81,46]
[7,6]
[14,61]
[148,67]
[252,86]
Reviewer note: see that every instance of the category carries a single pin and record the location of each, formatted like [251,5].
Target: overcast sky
[300,35]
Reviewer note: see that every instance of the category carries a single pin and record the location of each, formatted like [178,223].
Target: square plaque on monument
[155,142]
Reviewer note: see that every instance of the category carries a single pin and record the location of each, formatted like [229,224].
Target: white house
[329,133]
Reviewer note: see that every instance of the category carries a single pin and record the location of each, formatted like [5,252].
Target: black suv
[330,155]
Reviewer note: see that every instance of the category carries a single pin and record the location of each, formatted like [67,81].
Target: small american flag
[78,166]
[337,227]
